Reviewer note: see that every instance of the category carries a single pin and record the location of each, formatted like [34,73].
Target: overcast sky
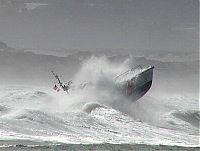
[139,24]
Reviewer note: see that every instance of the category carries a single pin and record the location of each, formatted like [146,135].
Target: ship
[133,83]
[136,82]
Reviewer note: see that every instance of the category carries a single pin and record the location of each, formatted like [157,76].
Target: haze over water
[95,41]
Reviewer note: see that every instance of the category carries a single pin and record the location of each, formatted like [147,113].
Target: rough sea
[97,118]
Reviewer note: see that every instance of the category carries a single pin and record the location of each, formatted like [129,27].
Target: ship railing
[132,70]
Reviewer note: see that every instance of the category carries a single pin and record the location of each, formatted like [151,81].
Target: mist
[90,43]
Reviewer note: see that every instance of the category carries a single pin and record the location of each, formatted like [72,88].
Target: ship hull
[140,91]
[142,84]
[138,86]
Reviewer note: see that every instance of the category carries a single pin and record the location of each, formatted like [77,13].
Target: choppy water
[99,117]
[42,116]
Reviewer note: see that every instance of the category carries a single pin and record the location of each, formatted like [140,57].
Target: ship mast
[63,86]
[56,76]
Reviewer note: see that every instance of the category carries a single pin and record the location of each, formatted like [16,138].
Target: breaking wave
[37,119]
[89,107]
[97,114]
[191,116]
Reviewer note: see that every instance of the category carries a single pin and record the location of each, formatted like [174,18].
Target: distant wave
[190,116]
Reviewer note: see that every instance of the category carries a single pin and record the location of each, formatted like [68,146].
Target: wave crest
[89,107]
[190,116]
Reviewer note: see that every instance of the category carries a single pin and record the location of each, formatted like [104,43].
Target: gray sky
[139,24]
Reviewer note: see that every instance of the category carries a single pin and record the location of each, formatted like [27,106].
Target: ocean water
[97,118]
[38,116]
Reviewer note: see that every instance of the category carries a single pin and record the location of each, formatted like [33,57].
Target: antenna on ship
[65,87]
